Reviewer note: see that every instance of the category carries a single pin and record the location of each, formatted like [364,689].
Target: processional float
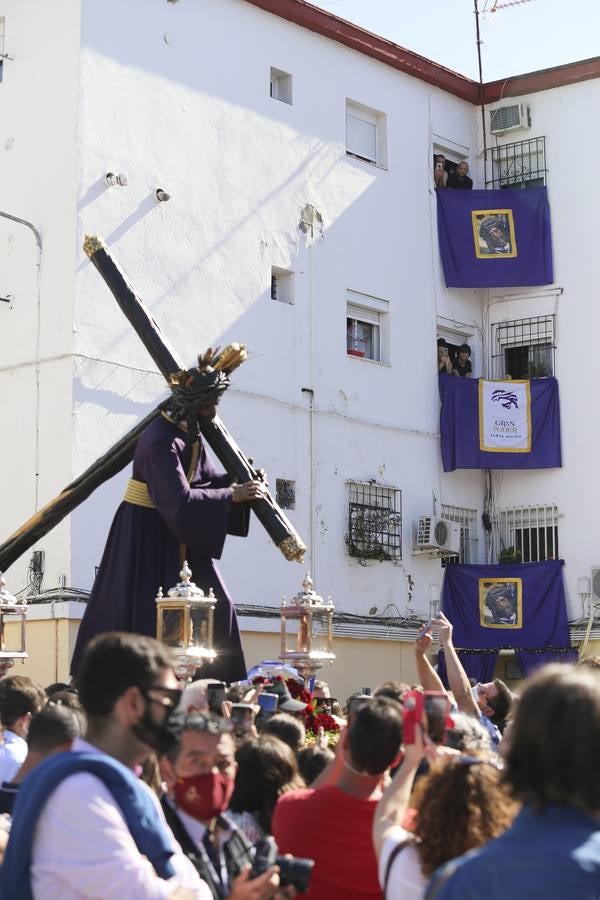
[214,432]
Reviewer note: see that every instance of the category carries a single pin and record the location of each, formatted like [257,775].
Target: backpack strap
[395,852]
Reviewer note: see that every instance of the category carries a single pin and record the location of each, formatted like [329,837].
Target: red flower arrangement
[313,719]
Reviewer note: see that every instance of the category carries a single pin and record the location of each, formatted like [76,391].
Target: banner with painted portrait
[514,606]
[495,238]
[499,424]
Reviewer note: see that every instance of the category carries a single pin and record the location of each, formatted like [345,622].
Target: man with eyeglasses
[84,825]
[200,775]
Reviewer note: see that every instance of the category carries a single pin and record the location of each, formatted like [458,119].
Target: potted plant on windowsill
[353,352]
[509,556]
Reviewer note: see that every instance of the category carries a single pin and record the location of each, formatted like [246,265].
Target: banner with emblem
[505,416]
[495,238]
[499,424]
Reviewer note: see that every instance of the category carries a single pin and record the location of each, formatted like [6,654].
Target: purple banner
[472,419]
[495,238]
[520,607]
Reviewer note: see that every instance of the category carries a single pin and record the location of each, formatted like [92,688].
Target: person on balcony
[458,179]
[462,364]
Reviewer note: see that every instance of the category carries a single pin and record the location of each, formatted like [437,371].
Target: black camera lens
[295,871]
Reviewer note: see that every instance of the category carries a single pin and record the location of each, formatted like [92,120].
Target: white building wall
[178,98]
[567,116]
[38,166]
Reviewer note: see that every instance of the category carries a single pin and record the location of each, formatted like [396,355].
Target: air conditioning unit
[516,117]
[436,537]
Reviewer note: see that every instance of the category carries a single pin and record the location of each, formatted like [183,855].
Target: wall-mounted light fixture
[162,196]
[111,179]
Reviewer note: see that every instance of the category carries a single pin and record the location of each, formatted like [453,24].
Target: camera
[292,870]
[430,707]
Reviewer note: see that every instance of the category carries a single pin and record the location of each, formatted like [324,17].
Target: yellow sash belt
[137,493]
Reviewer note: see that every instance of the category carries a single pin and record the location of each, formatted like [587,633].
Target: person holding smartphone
[440,176]
[444,361]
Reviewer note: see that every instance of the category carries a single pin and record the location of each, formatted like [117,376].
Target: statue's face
[502,606]
[208,410]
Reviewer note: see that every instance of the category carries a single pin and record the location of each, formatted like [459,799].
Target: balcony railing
[519,165]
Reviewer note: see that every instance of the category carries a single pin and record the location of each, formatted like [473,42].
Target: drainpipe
[38,241]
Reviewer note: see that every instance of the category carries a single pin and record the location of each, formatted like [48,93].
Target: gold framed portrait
[494,233]
[501,602]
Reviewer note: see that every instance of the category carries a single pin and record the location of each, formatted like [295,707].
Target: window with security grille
[467,519]
[519,165]
[374,521]
[523,348]
[532,531]
[366,133]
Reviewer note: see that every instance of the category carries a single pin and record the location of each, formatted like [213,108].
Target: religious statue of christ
[176,507]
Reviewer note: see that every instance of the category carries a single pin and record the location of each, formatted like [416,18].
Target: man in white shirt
[20,699]
[82,845]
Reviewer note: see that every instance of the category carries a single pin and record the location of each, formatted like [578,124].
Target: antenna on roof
[496,6]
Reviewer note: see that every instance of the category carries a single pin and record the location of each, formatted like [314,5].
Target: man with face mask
[84,825]
[200,775]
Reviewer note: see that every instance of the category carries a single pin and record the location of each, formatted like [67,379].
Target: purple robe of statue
[143,550]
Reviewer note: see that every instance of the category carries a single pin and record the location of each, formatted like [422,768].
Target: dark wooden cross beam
[274,520]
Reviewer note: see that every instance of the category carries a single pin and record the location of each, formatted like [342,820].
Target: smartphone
[215,695]
[242,716]
[423,631]
[438,165]
[367,692]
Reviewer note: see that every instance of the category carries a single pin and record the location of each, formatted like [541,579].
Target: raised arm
[391,809]
[428,677]
[457,677]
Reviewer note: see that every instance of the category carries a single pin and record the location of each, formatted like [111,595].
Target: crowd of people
[129,786]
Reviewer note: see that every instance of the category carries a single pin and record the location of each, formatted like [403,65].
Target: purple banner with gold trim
[499,424]
[495,238]
[515,606]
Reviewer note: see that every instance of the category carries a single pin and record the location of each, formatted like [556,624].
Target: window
[523,348]
[366,327]
[285,493]
[467,519]
[519,165]
[280,86]
[282,285]
[374,521]
[531,530]
[365,134]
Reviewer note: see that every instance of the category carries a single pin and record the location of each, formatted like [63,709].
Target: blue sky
[521,37]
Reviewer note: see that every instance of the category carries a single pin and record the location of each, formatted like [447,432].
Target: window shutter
[361,137]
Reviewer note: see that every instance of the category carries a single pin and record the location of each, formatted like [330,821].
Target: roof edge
[542,80]
[330,26]
[326,24]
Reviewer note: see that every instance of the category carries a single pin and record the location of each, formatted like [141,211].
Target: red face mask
[204,796]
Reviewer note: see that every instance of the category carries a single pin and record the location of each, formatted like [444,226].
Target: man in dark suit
[200,776]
